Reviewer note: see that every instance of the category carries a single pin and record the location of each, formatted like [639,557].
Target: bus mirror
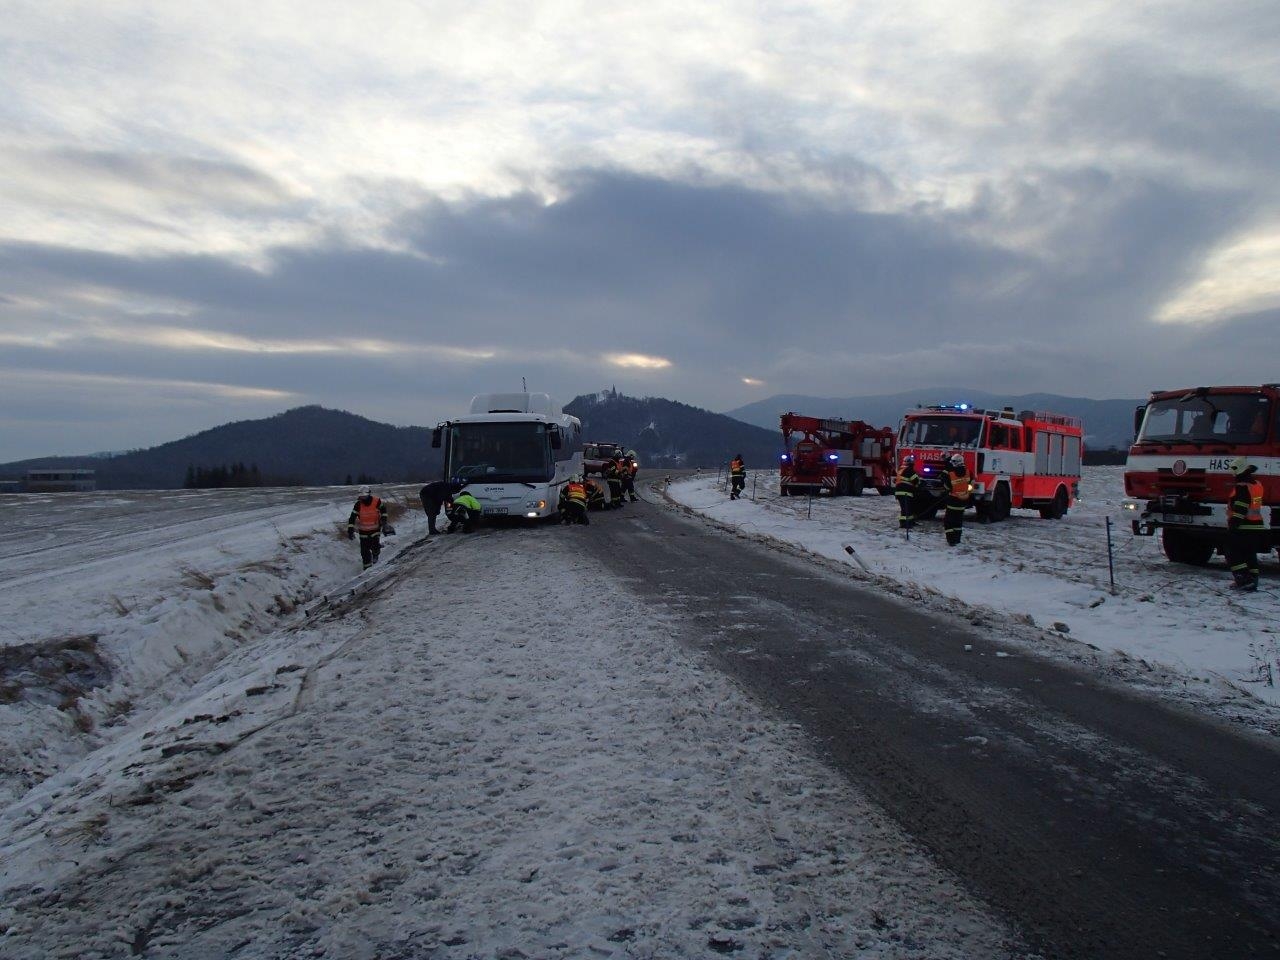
[553,433]
[435,437]
[1137,420]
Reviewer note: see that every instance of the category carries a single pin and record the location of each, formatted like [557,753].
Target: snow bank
[113,605]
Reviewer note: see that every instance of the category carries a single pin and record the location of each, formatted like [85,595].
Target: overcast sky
[217,211]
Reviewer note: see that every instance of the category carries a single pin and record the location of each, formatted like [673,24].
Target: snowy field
[458,765]
[113,604]
[1176,627]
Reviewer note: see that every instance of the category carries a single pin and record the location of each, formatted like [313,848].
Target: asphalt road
[1100,823]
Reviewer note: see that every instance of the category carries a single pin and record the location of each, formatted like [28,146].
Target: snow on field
[112,604]
[466,766]
[1040,572]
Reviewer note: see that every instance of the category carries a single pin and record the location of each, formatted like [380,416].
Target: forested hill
[665,433]
[307,445]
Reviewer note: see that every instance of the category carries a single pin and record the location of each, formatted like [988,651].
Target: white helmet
[365,491]
[1239,465]
[957,460]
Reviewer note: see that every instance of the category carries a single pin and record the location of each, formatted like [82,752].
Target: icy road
[646,738]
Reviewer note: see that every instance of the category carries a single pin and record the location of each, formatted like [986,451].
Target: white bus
[514,451]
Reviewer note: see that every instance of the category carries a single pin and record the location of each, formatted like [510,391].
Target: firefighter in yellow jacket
[369,519]
[957,489]
[573,502]
[1244,523]
[906,488]
[737,477]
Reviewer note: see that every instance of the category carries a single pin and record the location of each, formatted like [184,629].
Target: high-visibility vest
[737,467]
[905,483]
[368,515]
[1246,508]
[960,486]
[466,500]
[576,491]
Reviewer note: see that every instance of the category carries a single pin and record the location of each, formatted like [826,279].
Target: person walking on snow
[957,488]
[613,477]
[906,486]
[1244,523]
[369,519]
[434,496]
[737,477]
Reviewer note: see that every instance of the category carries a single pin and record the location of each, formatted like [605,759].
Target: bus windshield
[941,432]
[499,453]
[1210,418]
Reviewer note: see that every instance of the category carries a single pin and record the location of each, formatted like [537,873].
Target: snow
[1178,625]
[444,756]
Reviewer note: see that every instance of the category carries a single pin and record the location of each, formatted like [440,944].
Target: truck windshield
[499,452]
[941,432]
[1211,418]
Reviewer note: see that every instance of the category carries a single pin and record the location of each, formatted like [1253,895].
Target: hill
[307,445]
[665,433]
[1107,423]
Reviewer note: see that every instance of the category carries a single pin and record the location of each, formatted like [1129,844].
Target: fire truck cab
[1030,460]
[1179,467]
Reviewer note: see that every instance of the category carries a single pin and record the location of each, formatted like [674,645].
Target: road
[1100,823]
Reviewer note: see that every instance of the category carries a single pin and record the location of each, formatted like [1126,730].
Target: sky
[218,211]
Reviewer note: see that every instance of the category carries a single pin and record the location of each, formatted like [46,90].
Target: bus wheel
[1183,547]
[1056,508]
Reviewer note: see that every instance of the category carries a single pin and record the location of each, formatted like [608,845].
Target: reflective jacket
[575,491]
[368,517]
[467,501]
[737,467]
[1246,506]
[906,482]
[958,486]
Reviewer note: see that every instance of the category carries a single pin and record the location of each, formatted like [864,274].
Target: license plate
[1176,518]
[495,511]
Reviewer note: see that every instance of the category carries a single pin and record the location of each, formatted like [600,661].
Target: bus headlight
[1130,505]
[535,505]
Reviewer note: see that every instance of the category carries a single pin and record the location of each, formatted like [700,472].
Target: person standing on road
[464,511]
[737,477]
[434,496]
[905,487]
[613,477]
[1244,523]
[369,519]
[629,470]
[957,489]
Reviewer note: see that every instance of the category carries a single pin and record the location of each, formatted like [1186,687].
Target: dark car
[596,454]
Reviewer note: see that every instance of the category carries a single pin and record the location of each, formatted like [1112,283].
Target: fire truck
[839,456]
[1030,460]
[1178,471]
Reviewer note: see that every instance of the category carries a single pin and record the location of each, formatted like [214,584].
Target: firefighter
[369,518]
[463,511]
[630,469]
[1244,523]
[957,488]
[433,497]
[906,487]
[737,477]
[613,477]
[573,502]
[595,495]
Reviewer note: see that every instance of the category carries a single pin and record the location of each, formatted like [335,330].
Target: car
[595,454]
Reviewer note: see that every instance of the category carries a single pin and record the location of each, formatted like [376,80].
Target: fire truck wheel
[1183,547]
[854,480]
[1001,504]
[784,490]
[885,491]
[1056,508]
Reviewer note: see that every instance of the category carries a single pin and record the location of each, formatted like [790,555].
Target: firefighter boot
[953,538]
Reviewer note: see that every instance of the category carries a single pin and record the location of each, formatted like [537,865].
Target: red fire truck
[1029,460]
[1178,471]
[839,456]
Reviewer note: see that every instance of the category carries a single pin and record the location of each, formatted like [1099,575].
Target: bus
[514,452]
